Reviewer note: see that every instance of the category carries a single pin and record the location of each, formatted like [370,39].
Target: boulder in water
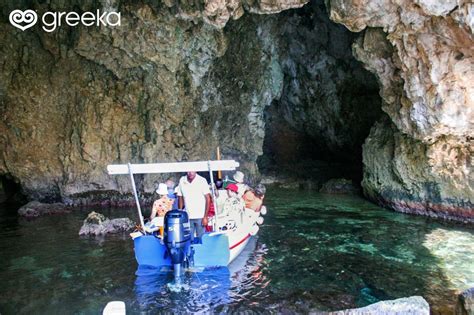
[35,209]
[339,186]
[414,305]
[98,224]
[465,305]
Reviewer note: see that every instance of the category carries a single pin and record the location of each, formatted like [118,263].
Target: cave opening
[10,190]
[315,130]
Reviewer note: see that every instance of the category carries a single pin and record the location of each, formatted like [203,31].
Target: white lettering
[52,20]
[100,18]
[60,16]
[72,19]
[87,16]
[116,18]
[52,24]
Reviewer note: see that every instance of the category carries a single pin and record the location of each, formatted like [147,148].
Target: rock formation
[420,159]
[98,224]
[35,209]
[177,79]
[415,305]
[465,304]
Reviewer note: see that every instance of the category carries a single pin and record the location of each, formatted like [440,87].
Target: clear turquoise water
[314,252]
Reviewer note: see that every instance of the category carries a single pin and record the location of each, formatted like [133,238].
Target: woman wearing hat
[162,205]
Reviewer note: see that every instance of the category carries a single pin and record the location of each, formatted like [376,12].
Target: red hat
[232,187]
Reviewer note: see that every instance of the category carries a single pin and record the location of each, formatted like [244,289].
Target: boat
[231,232]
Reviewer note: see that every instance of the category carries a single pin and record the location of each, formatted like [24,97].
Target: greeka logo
[29,17]
[52,20]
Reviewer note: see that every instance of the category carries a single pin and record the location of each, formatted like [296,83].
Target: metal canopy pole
[213,194]
[136,197]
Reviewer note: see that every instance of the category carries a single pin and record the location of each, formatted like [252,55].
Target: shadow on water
[314,252]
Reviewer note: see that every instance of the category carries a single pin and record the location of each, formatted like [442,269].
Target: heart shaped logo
[23,19]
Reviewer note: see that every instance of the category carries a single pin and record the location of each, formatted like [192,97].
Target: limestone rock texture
[415,305]
[34,209]
[178,79]
[159,88]
[420,159]
[168,85]
[97,224]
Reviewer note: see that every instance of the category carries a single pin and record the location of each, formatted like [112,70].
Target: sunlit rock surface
[421,52]
[98,224]
[415,305]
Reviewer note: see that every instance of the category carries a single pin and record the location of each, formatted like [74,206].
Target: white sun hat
[239,177]
[162,189]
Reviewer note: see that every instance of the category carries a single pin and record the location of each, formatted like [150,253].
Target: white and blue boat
[231,232]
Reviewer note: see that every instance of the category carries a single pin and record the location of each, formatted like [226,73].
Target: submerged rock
[339,186]
[98,224]
[465,305]
[415,305]
[35,209]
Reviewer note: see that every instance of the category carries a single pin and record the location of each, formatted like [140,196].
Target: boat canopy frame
[173,167]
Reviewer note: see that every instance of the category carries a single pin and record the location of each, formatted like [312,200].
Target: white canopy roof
[176,167]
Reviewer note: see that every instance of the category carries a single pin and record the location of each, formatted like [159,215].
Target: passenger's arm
[208,205]
[180,202]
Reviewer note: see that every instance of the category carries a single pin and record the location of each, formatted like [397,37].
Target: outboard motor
[177,238]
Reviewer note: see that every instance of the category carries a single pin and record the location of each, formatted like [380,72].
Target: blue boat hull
[212,252]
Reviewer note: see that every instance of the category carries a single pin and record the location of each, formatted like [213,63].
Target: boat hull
[215,248]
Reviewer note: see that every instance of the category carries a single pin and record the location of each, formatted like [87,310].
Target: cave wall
[172,83]
[420,159]
[159,88]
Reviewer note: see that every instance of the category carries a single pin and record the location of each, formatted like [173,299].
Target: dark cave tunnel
[316,129]
[10,190]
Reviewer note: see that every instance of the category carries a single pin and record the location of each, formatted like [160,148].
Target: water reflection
[204,289]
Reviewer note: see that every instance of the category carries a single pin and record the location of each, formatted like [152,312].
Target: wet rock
[411,176]
[419,161]
[465,305]
[415,305]
[35,209]
[98,224]
[339,186]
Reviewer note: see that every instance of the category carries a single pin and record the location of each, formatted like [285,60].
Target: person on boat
[172,192]
[253,198]
[195,196]
[163,204]
[232,204]
[239,179]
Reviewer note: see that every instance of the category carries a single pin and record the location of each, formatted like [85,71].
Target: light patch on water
[352,248]
[455,250]
[355,222]
[177,286]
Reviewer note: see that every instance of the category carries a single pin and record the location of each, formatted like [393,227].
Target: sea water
[313,252]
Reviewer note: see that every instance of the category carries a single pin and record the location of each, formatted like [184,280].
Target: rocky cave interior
[288,92]
[329,102]
[315,124]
